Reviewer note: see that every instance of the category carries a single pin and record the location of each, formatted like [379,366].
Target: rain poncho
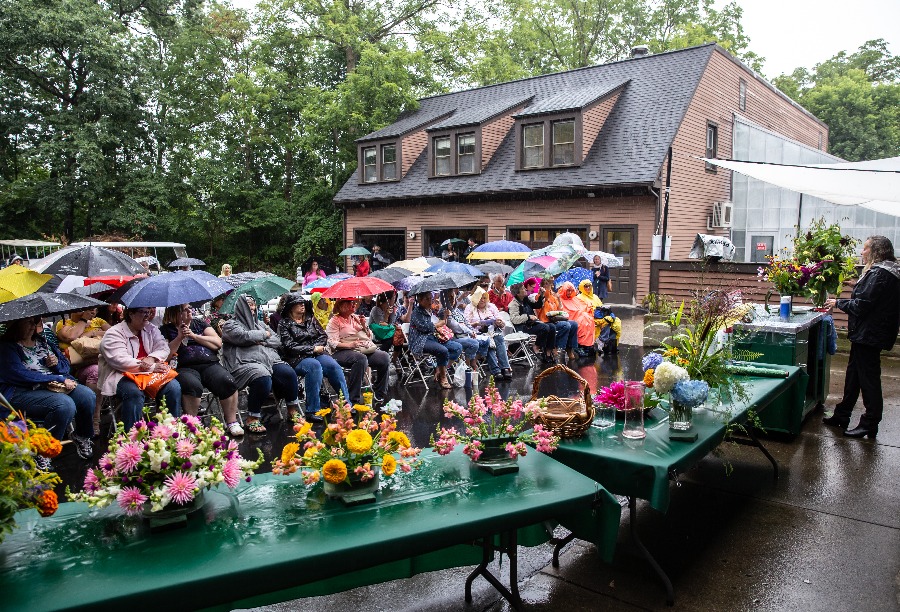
[249,347]
[579,312]
[587,296]
[322,315]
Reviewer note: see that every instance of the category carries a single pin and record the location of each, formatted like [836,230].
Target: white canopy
[872,184]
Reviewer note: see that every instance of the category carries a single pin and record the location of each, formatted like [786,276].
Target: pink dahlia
[162,432]
[180,487]
[128,457]
[185,448]
[232,473]
[91,482]
[613,395]
[131,500]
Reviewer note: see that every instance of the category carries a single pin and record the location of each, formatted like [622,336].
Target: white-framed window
[442,159]
[389,162]
[465,148]
[370,165]
[563,143]
[533,146]
[712,143]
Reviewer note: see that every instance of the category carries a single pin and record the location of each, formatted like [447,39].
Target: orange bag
[151,382]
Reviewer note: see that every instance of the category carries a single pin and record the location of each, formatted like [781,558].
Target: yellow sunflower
[334,471]
[359,441]
[361,408]
[290,449]
[400,439]
[388,465]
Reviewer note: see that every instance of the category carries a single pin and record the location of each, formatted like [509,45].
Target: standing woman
[197,346]
[304,346]
[250,349]
[351,344]
[600,279]
[422,338]
[874,309]
[362,268]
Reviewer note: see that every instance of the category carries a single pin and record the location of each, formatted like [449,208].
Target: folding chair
[519,343]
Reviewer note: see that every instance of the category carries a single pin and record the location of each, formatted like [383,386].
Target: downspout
[655,194]
[663,250]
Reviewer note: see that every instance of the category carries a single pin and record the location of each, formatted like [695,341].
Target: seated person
[322,309]
[523,315]
[477,343]
[304,345]
[85,324]
[28,364]
[197,346]
[250,351]
[351,344]
[135,345]
[216,318]
[579,312]
[423,329]
[602,317]
[385,312]
[566,330]
[498,294]
[364,308]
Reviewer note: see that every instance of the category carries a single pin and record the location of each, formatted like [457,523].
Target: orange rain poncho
[587,297]
[578,312]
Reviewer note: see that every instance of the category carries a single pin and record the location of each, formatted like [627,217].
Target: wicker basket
[565,417]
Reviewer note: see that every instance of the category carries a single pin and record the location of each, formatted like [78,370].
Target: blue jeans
[497,359]
[284,382]
[57,410]
[566,335]
[132,399]
[443,353]
[312,369]
[471,347]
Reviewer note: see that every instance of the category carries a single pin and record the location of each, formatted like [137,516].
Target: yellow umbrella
[18,281]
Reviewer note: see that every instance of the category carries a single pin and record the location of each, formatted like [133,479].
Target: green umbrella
[354,251]
[260,289]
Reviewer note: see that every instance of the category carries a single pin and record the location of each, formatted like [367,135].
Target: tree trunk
[288,175]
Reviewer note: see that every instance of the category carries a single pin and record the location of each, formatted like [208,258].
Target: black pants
[863,374]
[379,361]
[544,333]
[193,378]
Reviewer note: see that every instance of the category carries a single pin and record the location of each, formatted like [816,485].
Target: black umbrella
[441,282]
[183,262]
[325,264]
[92,289]
[116,296]
[42,304]
[492,267]
[391,275]
[51,285]
[89,260]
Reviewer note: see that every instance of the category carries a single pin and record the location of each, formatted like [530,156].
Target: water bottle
[173,362]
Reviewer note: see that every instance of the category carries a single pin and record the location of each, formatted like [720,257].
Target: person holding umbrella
[351,344]
[35,378]
[523,314]
[135,345]
[600,278]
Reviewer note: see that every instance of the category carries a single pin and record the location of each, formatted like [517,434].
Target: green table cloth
[276,539]
[640,468]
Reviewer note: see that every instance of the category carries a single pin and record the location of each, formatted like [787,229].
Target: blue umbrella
[452,266]
[574,276]
[175,288]
[406,284]
[328,281]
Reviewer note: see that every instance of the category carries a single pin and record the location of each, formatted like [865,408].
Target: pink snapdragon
[473,449]
[365,472]
[310,478]
[545,441]
[131,500]
[447,442]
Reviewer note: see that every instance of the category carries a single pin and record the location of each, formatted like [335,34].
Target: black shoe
[311,417]
[836,421]
[507,374]
[862,431]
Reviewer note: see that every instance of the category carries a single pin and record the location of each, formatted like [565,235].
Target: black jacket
[299,341]
[874,307]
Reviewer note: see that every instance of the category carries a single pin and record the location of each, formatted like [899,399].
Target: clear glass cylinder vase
[634,410]
[680,416]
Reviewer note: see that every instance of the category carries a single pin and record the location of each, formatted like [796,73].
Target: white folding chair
[518,343]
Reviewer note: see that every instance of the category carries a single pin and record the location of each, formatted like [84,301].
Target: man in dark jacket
[874,309]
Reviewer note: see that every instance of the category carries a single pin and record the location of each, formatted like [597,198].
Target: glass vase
[680,416]
[634,410]
[494,457]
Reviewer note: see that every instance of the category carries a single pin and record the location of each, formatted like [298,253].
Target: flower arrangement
[24,484]
[690,393]
[166,461]
[350,450]
[489,416]
[829,259]
[785,273]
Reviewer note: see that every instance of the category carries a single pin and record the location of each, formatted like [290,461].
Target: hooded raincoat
[579,312]
[322,315]
[248,354]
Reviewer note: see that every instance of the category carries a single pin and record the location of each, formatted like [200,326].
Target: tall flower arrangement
[350,450]
[490,416]
[829,259]
[166,461]
[23,485]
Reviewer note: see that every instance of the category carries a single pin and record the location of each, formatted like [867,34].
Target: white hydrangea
[666,375]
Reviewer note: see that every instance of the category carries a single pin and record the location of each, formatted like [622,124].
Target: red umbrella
[357,287]
[113,281]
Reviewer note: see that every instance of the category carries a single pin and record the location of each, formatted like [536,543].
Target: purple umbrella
[175,288]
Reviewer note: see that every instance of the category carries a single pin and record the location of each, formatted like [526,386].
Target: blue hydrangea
[651,360]
[690,393]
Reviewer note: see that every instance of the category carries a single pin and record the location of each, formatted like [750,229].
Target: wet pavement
[825,536]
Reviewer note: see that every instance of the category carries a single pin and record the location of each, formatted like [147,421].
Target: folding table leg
[560,542]
[511,550]
[759,445]
[670,592]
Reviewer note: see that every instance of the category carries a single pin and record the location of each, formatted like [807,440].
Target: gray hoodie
[247,352]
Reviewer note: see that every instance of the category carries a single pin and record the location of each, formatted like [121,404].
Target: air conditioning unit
[721,214]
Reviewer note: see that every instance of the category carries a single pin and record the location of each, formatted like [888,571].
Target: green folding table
[642,468]
[276,539]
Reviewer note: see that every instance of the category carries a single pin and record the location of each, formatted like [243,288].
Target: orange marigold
[334,471]
[43,443]
[648,378]
[47,503]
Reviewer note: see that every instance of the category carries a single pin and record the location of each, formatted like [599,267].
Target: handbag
[151,382]
[57,387]
[362,335]
[555,316]
[382,332]
[87,346]
[74,357]
[444,333]
[399,337]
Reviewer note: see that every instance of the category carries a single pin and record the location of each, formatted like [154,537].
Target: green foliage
[657,303]
[858,96]
[826,245]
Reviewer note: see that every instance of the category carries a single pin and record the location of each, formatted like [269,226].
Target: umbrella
[453,266]
[500,249]
[174,288]
[357,287]
[326,264]
[451,241]
[354,251]
[236,280]
[261,289]
[18,281]
[116,296]
[182,262]
[92,289]
[149,259]
[415,265]
[574,276]
[88,260]
[608,259]
[324,283]
[492,267]
[113,281]
[391,275]
[531,267]
[406,284]
[440,282]
[41,304]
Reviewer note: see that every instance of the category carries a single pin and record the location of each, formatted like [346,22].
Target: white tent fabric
[872,184]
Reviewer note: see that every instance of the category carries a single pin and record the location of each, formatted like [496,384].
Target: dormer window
[465,153]
[389,162]
[533,146]
[563,142]
[442,161]
[370,165]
